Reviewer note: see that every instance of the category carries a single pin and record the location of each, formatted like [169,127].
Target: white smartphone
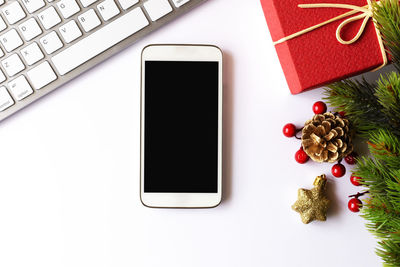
[181,126]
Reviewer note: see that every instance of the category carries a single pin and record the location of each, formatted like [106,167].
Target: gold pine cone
[327,138]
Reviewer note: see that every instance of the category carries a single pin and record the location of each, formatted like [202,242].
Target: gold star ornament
[313,204]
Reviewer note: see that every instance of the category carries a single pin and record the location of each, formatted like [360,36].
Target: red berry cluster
[355,180]
[338,170]
[355,204]
[290,130]
[301,156]
[319,107]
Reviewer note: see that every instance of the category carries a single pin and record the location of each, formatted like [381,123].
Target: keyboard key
[13,64]
[33,5]
[68,8]
[157,8]
[49,18]
[2,24]
[178,3]
[86,3]
[99,41]
[108,9]
[2,77]
[13,12]
[5,99]
[30,29]
[125,4]
[70,31]
[51,42]
[41,75]
[89,20]
[20,88]
[1,2]
[11,40]
[32,53]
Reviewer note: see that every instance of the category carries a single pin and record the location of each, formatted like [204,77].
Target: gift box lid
[317,58]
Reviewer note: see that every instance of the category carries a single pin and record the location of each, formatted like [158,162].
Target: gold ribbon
[366,14]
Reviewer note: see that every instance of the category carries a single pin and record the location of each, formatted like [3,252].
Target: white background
[69,181]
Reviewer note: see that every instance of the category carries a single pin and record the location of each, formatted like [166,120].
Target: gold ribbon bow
[366,14]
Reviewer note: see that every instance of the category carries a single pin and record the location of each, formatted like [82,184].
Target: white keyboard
[45,43]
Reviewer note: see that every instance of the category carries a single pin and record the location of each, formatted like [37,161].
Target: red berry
[354,204]
[319,107]
[301,156]
[351,159]
[338,170]
[342,114]
[289,130]
[355,180]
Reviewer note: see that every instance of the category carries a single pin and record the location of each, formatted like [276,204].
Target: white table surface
[69,183]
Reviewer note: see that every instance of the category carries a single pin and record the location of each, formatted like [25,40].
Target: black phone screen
[181,127]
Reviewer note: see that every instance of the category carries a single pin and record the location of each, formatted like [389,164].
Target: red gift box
[316,58]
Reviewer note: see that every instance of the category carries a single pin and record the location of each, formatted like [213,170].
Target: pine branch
[374,111]
[368,106]
[385,147]
[388,251]
[382,209]
[388,95]
[387,15]
[357,99]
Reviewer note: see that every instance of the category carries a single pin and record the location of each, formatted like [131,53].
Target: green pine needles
[374,111]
